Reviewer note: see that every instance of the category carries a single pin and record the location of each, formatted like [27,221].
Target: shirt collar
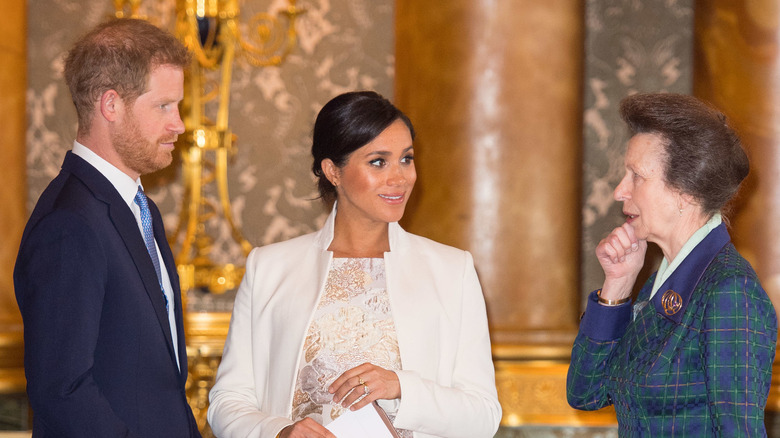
[123,184]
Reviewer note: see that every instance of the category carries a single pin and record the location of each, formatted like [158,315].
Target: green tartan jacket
[695,361]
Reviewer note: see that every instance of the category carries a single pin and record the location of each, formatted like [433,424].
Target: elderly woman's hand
[621,255]
[306,428]
[364,384]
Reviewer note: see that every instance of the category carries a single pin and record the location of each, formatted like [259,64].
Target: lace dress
[352,324]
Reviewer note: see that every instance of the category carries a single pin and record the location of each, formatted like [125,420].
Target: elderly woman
[360,311]
[692,356]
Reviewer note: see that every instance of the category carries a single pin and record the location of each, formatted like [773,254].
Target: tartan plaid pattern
[705,371]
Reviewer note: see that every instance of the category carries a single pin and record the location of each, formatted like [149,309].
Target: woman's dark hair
[704,156]
[345,124]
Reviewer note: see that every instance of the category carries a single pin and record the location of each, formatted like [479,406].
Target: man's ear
[331,171]
[111,105]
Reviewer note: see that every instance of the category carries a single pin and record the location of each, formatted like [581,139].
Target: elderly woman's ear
[688,202]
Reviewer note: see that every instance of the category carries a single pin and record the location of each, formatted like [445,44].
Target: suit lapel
[170,266]
[127,227]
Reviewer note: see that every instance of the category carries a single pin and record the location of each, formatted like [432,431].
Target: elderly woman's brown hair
[704,157]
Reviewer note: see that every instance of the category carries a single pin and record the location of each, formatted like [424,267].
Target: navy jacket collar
[675,293]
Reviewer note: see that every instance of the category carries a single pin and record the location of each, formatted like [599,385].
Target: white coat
[447,382]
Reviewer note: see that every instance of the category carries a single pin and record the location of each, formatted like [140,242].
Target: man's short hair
[118,55]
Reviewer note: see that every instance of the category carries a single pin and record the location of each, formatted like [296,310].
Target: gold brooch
[672,302]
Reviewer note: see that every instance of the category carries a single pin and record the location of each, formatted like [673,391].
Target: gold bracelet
[612,303]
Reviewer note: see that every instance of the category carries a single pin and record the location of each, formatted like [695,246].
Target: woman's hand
[306,428]
[364,384]
[621,255]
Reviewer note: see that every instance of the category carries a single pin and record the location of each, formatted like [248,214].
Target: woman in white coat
[360,311]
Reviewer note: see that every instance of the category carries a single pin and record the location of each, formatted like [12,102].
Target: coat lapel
[170,266]
[127,227]
[412,313]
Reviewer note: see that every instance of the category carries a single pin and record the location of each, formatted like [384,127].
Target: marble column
[494,89]
[13,83]
[737,68]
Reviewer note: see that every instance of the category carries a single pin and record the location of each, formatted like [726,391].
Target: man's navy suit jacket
[99,357]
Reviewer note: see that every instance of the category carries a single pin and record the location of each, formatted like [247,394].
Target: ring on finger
[360,381]
[366,390]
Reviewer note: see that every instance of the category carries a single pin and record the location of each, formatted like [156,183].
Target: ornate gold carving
[203,364]
[206,333]
[534,392]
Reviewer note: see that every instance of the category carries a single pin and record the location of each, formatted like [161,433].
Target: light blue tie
[146,224]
